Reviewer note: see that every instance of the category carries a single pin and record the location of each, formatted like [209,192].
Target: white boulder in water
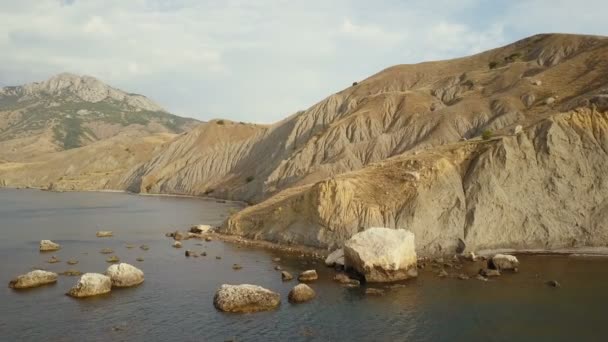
[245,298]
[33,279]
[48,245]
[503,262]
[125,275]
[382,254]
[91,284]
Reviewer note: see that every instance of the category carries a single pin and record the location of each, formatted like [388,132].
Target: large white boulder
[91,284]
[245,298]
[48,245]
[335,258]
[125,275]
[503,262]
[382,254]
[33,279]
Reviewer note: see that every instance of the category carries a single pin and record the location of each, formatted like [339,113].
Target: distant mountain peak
[77,88]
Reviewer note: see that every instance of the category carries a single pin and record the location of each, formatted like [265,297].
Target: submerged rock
[33,279]
[344,279]
[106,251]
[489,273]
[53,260]
[72,262]
[278,268]
[382,254]
[245,298]
[91,284]
[236,267]
[286,276]
[104,233]
[140,259]
[71,273]
[553,283]
[190,253]
[503,262]
[335,258]
[309,275]
[144,247]
[370,291]
[301,293]
[48,245]
[442,274]
[125,275]
[113,258]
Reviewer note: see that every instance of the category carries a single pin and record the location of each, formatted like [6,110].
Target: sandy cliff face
[543,188]
[403,108]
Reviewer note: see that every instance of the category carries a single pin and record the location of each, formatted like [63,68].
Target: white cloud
[261,60]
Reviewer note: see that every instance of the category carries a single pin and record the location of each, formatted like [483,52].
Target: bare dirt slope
[402,108]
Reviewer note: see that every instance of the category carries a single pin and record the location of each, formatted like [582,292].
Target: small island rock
[125,275]
[503,262]
[48,245]
[301,293]
[245,298]
[104,233]
[33,279]
[309,275]
[286,276]
[91,284]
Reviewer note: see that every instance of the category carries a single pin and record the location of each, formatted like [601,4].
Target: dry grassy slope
[403,108]
[543,188]
[97,166]
[69,111]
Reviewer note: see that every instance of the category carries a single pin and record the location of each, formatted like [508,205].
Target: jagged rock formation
[69,111]
[543,188]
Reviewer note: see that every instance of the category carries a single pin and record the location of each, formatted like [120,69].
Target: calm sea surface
[175,301]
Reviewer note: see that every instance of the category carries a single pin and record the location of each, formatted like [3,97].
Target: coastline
[573,251]
[244,204]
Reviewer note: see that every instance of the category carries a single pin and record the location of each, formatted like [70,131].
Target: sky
[262,60]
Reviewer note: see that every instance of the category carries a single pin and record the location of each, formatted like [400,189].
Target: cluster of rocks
[89,284]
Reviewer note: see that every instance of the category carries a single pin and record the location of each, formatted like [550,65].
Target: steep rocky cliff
[400,109]
[545,187]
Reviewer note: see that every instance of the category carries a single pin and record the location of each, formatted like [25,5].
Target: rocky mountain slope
[506,148]
[69,111]
[400,109]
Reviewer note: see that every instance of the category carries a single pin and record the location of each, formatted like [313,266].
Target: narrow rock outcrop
[245,298]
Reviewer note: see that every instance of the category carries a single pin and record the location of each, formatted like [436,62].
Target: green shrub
[355,83]
[208,191]
[492,65]
[249,179]
[220,122]
[487,134]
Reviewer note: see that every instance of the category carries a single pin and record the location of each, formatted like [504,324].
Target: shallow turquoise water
[175,301]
